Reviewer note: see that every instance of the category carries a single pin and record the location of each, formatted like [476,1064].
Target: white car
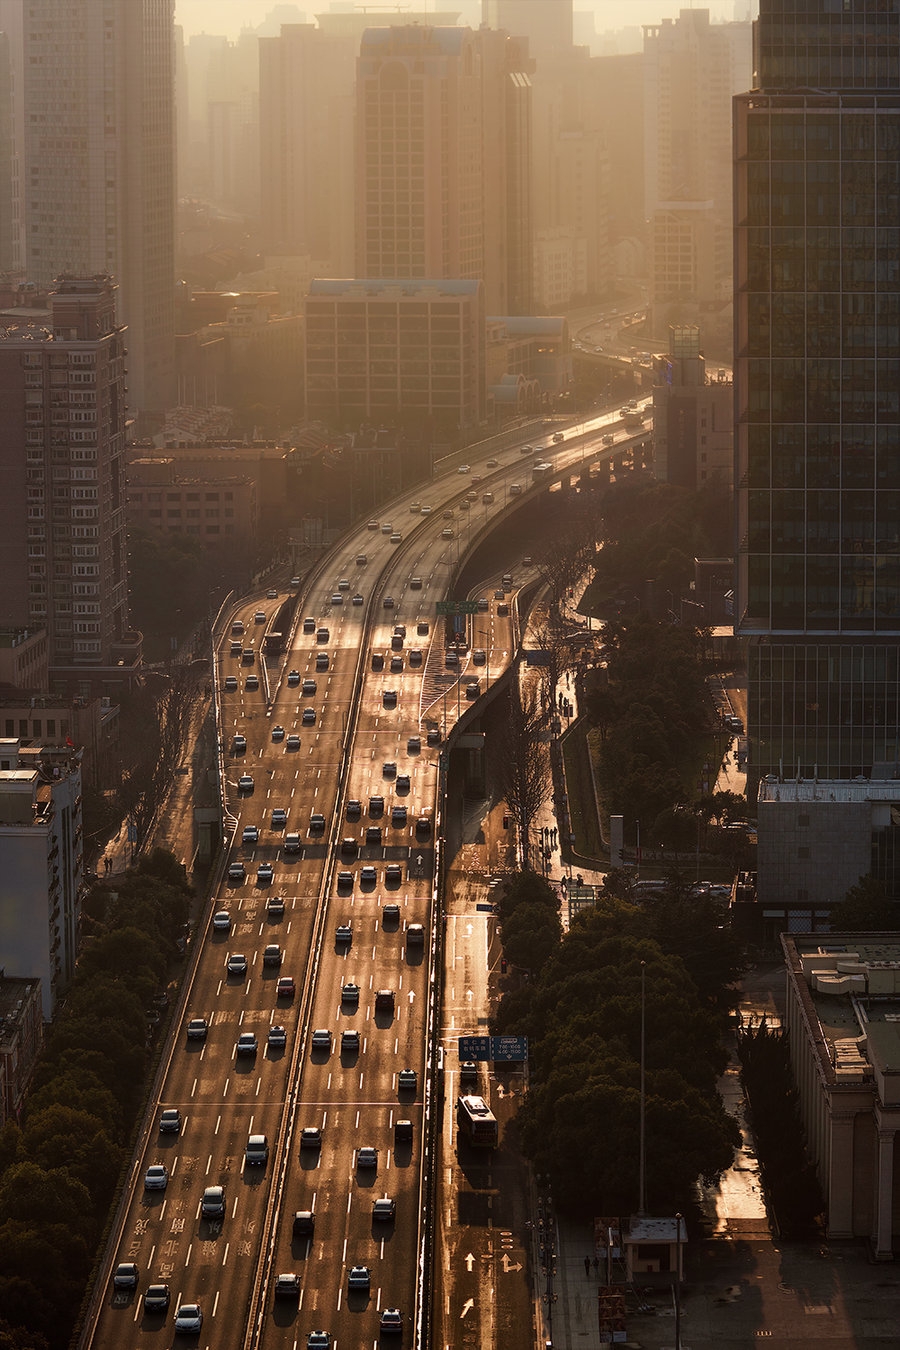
[156,1178]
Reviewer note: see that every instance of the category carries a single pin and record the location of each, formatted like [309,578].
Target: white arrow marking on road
[508,1265]
[467,1307]
[419,860]
[412,994]
[470,1261]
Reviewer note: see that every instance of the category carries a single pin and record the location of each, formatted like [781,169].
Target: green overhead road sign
[457,607]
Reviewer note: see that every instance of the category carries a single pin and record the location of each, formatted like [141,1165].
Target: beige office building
[443,156]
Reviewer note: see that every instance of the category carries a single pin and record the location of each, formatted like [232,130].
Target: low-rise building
[41,865]
[843,1020]
[817,837]
[90,725]
[21,1037]
[213,508]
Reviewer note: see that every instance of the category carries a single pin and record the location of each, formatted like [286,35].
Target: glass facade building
[817,387]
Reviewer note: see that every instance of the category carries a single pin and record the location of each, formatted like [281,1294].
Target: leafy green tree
[18,1337]
[866,908]
[531,934]
[61,1136]
[526,888]
[81,1091]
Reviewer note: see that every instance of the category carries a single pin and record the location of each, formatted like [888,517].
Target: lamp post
[677,1282]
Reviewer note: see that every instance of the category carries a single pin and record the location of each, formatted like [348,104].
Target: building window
[36,727]
[803,854]
[51,726]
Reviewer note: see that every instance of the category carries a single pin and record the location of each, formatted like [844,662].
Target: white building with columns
[843,1020]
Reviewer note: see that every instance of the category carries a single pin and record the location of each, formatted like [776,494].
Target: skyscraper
[98,179]
[692,69]
[817,410]
[62,488]
[444,160]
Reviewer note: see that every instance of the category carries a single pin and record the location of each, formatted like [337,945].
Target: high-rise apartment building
[444,160]
[62,487]
[307,78]
[817,409]
[692,69]
[98,174]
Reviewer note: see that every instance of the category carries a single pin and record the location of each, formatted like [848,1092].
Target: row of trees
[649,714]
[59,1166]
[581,1010]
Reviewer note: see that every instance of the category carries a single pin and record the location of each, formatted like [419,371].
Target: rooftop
[771,789]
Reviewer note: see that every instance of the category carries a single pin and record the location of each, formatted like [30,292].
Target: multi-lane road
[341,740]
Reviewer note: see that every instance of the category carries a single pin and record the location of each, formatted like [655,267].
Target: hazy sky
[229,16]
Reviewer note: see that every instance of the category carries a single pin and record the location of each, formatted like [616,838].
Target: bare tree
[524,763]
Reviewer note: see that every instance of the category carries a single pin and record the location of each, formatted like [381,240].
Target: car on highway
[247,1043]
[277,1037]
[316,823]
[362,559]
[366,1158]
[271,593]
[293,677]
[272,955]
[354,809]
[391,913]
[256,1154]
[126,1275]
[309,687]
[358,1278]
[222,921]
[287,1286]
[389,698]
[321,1039]
[447,532]
[212,1203]
[451,658]
[468,1071]
[156,1298]
[251,683]
[275,903]
[345,881]
[423,827]
[473,689]
[384,1209]
[156,1177]
[322,634]
[415,656]
[318,1340]
[279,817]
[463,469]
[433,736]
[350,994]
[396,665]
[373,835]
[343,934]
[197,1029]
[407,1080]
[415,583]
[236,964]
[558,437]
[398,817]
[415,935]
[304,1225]
[245,783]
[250,834]
[285,987]
[372,525]
[230,683]
[321,660]
[264,874]
[293,742]
[358,599]
[384,1000]
[278,733]
[295,582]
[492,464]
[376,806]
[479,656]
[368,876]
[310,1137]
[388,602]
[387,527]
[291,843]
[170,1120]
[413,745]
[259,616]
[337,598]
[239,745]
[309,624]
[402,783]
[391,1322]
[389,769]
[189,1316]
[308,718]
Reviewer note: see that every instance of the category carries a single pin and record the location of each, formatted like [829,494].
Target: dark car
[212,1205]
[304,1224]
[126,1275]
[170,1120]
[197,1028]
[287,1285]
[156,1299]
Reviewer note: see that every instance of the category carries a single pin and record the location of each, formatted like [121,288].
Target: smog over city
[449,674]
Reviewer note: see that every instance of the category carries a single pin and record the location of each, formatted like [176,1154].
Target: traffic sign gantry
[457,607]
[509,1047]
[474,1047]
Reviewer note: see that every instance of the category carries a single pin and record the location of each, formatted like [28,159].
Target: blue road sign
[474,1047]
[488,909]
[509,1047]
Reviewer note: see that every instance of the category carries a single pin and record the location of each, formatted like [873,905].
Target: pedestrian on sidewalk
[587,1265]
